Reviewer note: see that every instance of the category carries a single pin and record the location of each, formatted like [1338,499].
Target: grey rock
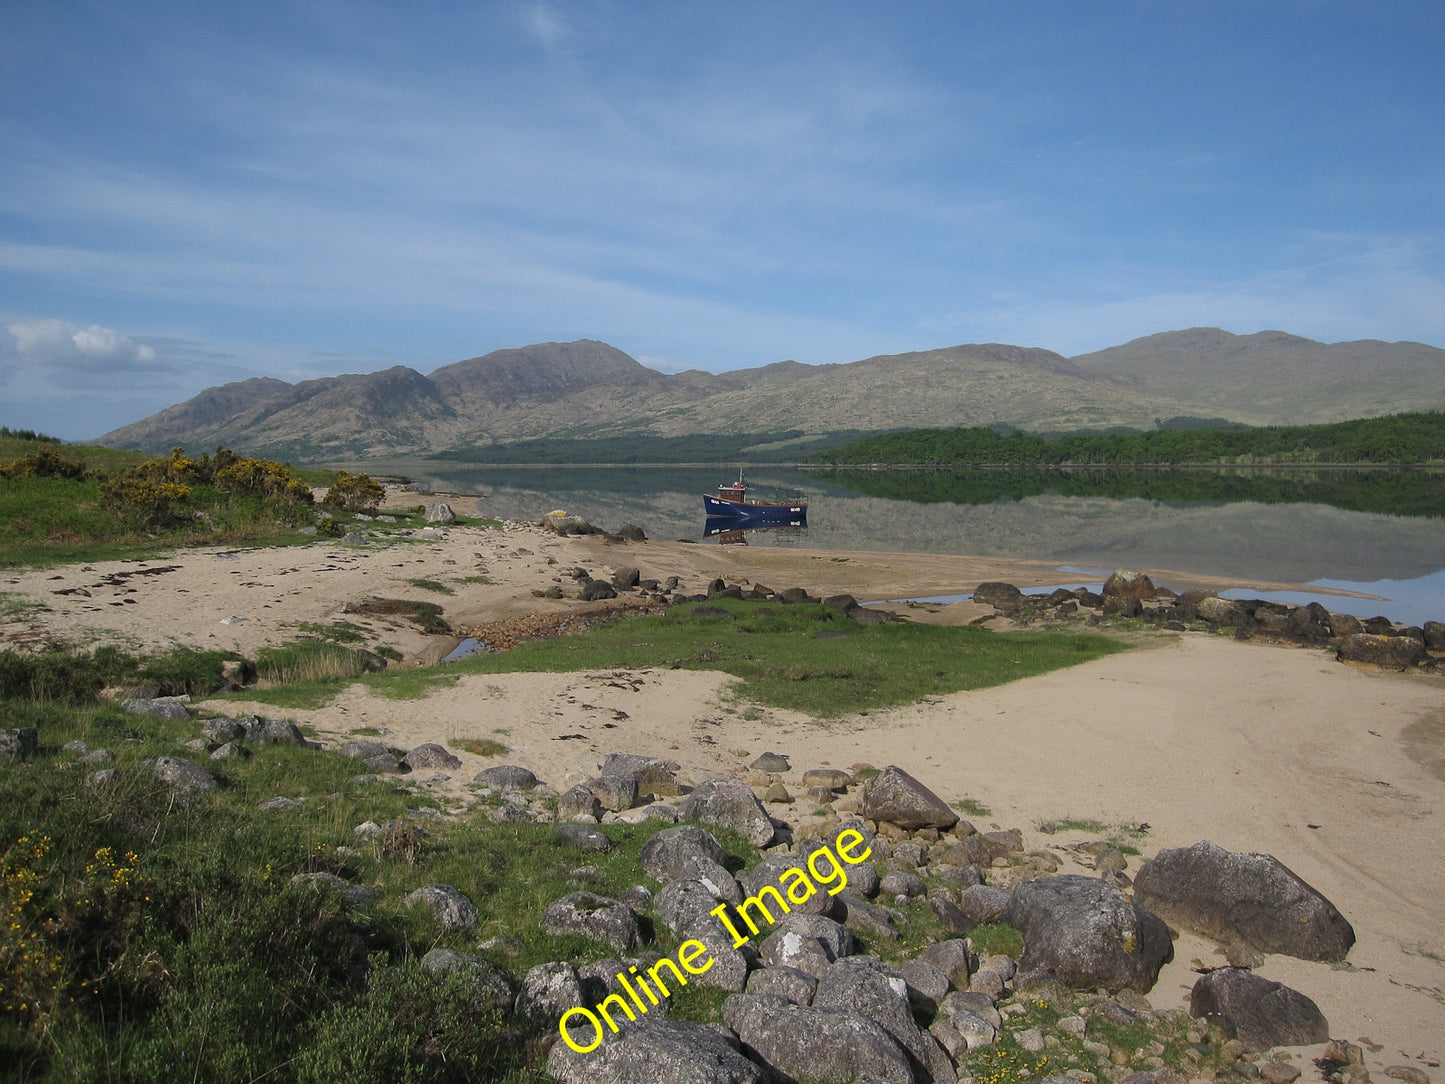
[1003,597]
[626,577]
[230,751]
[451,909]
[973,1003]
[983,903]
[896,797]
[1259,1013]
[584,838]
[431,756]
[1253,898]
[615,792]
[490,982]
[105,756]
[808,942]
[863,918]
[898,883]
[385,763]
[161,707]
[272,732]
[106,777]
[731,805]
[866,985]
[440,512]
[219,731]
[282,803]
[596,591]
[771,762]
[363,749]
[976,1031]
[683,904]
[181,775]
[950,916]
[668,854]
[770,872]
[594,916]
[804,1043]
[953,959]
[19,743]
[730,966]
[352,895]
[653,1050]
[927,985]
[1086,934]
[578,802]
[788,983]
[506,777]
[355,538]
[549,990]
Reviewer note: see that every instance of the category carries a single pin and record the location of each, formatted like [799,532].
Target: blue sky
[196,193]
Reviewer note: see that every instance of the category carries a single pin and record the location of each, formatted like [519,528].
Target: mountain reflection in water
[1361,527]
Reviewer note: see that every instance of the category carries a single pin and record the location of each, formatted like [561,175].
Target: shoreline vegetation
[1415,439]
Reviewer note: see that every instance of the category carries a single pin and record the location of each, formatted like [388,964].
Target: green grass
[780,662]
[484,580]
[972,807]
[482,747]
[338,632]
[431,585]
[997,939]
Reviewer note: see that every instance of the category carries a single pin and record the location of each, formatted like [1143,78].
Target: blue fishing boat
[732,502]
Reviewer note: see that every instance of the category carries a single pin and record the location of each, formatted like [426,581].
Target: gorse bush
[354,493]
[44,463]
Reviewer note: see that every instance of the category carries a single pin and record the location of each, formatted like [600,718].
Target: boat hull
[720,509]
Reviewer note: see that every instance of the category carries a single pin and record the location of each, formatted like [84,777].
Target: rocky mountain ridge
[588,389]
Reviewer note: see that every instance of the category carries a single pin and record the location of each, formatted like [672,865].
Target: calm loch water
[1376,532]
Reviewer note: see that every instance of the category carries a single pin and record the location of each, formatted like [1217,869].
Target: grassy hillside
[72,502]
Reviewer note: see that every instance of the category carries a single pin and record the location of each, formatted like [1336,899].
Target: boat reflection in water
[730,532]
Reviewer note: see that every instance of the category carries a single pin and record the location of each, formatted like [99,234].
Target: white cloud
[63,345]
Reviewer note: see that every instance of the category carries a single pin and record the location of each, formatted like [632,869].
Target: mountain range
[590,390]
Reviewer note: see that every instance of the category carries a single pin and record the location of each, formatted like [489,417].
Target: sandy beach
[1337,771]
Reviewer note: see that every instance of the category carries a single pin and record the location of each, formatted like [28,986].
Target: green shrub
[354,493]
[434,1030]
[44,463]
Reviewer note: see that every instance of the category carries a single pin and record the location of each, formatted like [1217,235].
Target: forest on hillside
[1396,439]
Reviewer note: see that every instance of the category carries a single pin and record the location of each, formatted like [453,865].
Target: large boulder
[170,708]
[896,797]
[652,775]
[668,855]
[652,1050]
[548,991]
[1252,898]
[489,982]
[506,777]
[450,907]
[1259,1013]
[440,512]
[1086,934]
[181,775]
[431,755]
[594,916]
[866,985]
[1390,652]
[800,1042]
[19,743]
[730,804]
[1123,583]
[1003,597]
